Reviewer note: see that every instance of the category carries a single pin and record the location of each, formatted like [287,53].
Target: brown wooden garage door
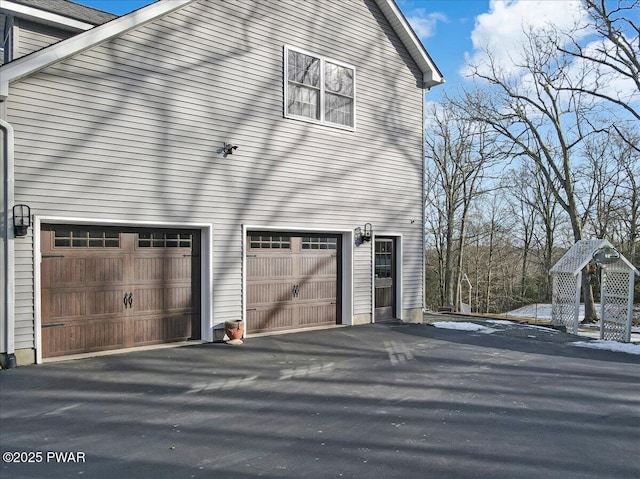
[107,288]
[292,281]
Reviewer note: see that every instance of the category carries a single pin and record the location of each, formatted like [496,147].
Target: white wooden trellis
[617,282]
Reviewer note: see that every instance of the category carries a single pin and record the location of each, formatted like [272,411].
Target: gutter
[7,348]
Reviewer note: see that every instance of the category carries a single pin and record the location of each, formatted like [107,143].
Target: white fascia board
[43,16]
[431,75]
[36,61]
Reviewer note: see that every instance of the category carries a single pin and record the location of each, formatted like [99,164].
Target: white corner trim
[38,60]
[430,72]
[43,16]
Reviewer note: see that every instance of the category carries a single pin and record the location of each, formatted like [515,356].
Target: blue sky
[444,26]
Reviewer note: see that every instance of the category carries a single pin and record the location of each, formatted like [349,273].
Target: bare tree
[613,55]
[460,153]
[535,208]
[539,121]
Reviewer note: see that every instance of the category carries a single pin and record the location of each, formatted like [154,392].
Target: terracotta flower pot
[234,329]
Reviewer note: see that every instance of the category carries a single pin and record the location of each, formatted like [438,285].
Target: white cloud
[502,30]
[425,24]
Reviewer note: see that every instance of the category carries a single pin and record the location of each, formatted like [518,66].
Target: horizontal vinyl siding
[132,129]
[24,305]
[33,36]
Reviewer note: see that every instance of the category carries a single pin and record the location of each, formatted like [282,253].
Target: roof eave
[40,59]
[431,74]
[42,16]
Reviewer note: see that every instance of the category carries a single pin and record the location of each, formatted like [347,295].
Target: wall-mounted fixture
[363,234]
[227,149]
[21,219]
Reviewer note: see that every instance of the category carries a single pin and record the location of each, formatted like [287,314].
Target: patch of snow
[499,321]
[629,348]
[462,326]
[551,330]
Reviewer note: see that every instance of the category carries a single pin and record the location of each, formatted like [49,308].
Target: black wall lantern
[21,219]
[363,234]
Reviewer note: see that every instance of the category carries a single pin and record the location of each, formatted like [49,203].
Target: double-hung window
[318,89]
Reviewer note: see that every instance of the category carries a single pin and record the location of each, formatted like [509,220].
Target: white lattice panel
[577,256]
[565,290]
[615,304]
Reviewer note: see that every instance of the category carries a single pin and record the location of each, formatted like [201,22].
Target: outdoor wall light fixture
[363,234]
[21,219]
[227,149]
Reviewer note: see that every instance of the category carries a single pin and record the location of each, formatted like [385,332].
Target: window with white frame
[318,89]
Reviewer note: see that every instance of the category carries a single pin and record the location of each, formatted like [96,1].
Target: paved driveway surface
[377,401]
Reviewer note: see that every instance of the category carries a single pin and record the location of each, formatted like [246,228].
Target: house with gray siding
[29,25]
[199,162]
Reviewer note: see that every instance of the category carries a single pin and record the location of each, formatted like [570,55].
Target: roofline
[601,244]
[62,21]
[40,59]
[431,75]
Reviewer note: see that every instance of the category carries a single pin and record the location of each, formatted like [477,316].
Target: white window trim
[323,59]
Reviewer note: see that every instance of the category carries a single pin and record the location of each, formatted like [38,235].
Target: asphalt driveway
[378,401]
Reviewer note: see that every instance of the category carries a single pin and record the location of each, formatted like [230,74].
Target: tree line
[538,154]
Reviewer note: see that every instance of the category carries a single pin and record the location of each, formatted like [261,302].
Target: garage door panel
[64,304]
[269,292]
[271,266]
[104,270]
[317,290]
[105,302]
[161,269]
[61,340]
[101,335]
[158,330]
[84,289]
[270,319]
[314,266]
[63,272]
[162,299]
[317,315]
[292,281]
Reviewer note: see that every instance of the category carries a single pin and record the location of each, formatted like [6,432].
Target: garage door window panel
[262,242]
[65,238]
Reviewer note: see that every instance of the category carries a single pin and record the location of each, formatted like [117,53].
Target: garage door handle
[128,299]
[295,290]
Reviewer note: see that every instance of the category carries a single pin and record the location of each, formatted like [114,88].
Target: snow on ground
[462,326]
[629,348]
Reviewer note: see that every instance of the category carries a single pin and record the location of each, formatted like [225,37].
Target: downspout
[425,90]
[7,351]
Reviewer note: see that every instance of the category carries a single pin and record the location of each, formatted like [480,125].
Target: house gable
[21,68]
